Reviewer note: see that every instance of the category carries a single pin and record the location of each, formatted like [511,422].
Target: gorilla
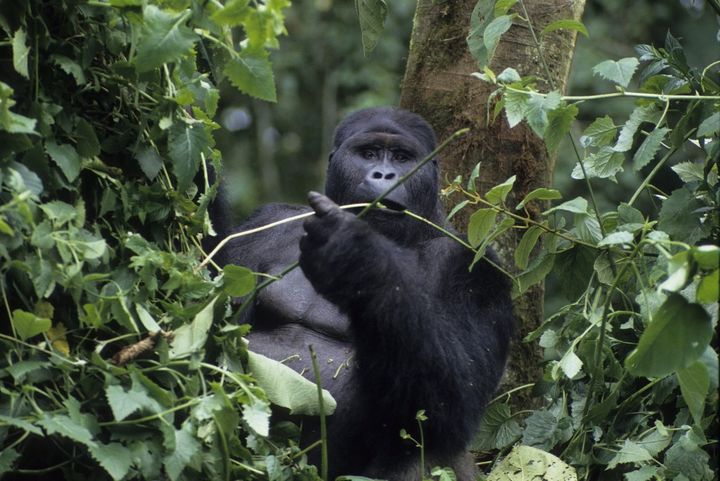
[399,322]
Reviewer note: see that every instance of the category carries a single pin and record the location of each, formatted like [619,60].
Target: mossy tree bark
[438,85]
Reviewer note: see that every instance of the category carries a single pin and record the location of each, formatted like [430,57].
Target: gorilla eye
[400,156]
[368,154]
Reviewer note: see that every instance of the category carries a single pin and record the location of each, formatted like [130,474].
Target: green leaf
[252,74]
[237,280]
[570,364]
[526,245]
[516,106]
[540,193]
[678,272]
[59,212]
[509,75]
[498,428]
[115,458]
[66,426]
[689,171]
[287,388]
[680,217]
[646,473]
[20,423]
[676,338]
[481,221]
[28,325]
[578,205]
[574,268]
[707,256]
[185,144]
[599,133]
[150,162]
[497,194]
[710,126]
[70,67]
[371,14]
[123,402]
[163,38]
[647,150]
[88,144]
[644,113]
[502,7]
[565,24]
[528,463]
[537,271]
[191,337]
[708,291]
[616,238]
[257,416]
[232,14]
[694,384]
[481,16]
[619,72]
[8,456]
[493,32]
[537,110]
[146,319]
[603,164]
[559,122]
[21,52]
[66,157]
[185,448]
[631,452]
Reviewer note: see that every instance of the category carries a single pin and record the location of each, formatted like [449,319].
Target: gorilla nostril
[390,176]
[377,175]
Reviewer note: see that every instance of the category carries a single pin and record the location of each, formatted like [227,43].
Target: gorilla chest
[293,300]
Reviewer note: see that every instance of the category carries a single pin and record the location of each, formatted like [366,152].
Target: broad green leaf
[516,105]
[146,319]
[481,16]
[191,337]
[630,452]
[527,463]
[163,38]
[646,473]
[502,7]
[644,113]
[537,110]
[526,245]
[603,164]
[570,364]
[8,456]
[578,205]
[620,71]
[678,272]
[21,53]
[88,144]
[59,212]
[540,193]
[686,458]
[115,458]
[708,292]
[599,133]
[66,157]
[253,75]
[680,217]
[558,126]
[498,193]
[185,144]
[150,162]
[124,402]
[689,171]
[694,384]
[256,414]
[28,325]
[479,225]
[676,338]
[498,428]
[66,426]
[493,32]
[538,270]
[565,24]
[371,14]
[232,14]
[185,448]
[286,388]
[616,238]
[574,269]
[707,256]
[509,75]
[647,150]
[237,280]
[710,126]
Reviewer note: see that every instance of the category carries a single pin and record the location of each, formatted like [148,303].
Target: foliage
[119,356]
[630,379]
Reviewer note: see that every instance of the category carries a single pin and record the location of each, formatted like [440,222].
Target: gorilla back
[398,321]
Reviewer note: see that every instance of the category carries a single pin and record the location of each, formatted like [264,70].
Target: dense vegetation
[119,354]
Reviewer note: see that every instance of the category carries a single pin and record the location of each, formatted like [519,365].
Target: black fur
[398,321]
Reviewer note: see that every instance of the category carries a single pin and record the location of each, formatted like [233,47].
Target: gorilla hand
[334,247]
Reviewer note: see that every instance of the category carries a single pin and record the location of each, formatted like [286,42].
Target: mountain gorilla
[397,320]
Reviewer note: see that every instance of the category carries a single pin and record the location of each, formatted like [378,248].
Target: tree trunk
[438,85]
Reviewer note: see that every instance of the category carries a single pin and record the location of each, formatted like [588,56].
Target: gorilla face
[373,149]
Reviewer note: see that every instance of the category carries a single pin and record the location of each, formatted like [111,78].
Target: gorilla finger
[320,228]
[321,204]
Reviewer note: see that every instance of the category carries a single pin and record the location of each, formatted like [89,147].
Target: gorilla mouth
[392,205]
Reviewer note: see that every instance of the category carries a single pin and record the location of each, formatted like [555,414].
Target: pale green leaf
[66,426]
[163,38]
[710,126]
[66,157]
[619,72]
[644,113]
[232,13]
[237,280]
[516,106]
[617,238]
[480,223]
[498,193]
[257,416]
[647,150]
[630,452]
[646,473]
[526,245]
[537,109]
[150,162]
[493,32]
[70,67]
[694,384]
[528,463]
[603,164]
[509,75]
[578,205]
[191,337]
[558,126]
[371,14]
[565,24]
[185,145]
[21,53]
[502,7]
[708,292]
[115,458]
[599,133]
[28,325]
[252,74]
[541,193]
[689,171]
[185,448]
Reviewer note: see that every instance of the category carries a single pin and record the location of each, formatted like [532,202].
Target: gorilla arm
[428,333]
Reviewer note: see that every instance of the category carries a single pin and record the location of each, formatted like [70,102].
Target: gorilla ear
[330,156]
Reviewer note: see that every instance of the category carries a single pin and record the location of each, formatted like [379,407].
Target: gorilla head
[372,149]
